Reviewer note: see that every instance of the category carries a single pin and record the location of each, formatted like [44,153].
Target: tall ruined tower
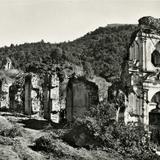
[144,69]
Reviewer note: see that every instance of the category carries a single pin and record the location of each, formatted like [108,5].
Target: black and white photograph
[79,79]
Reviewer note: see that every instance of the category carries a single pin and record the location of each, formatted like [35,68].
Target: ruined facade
[144,70]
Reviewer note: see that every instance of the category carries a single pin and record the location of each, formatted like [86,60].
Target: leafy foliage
[12,132]
[102,48]
[130,141]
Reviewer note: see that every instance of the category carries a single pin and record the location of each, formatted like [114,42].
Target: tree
[56,55]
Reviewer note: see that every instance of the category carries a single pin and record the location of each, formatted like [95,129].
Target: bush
[12,132]
[98,129]
[57,149]
[6,141]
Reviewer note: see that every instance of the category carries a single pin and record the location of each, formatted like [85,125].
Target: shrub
[100,130]
[12,132]
[6,141]
[58,149]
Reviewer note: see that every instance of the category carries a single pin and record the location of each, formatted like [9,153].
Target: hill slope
[105,48]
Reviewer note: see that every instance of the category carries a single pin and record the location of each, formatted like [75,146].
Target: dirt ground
[18,135]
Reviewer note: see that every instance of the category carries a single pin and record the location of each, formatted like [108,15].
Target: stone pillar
[5,93]
[55,99]
[12,97]
[28,107]
[36,94]
[0,92]
[46,97]
[69,103]
[145,113]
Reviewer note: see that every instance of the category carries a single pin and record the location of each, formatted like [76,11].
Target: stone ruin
[51,98]
[143,103]
[5,83]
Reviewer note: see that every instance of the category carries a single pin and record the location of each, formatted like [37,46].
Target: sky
[65,20]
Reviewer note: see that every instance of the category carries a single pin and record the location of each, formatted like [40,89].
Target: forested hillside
[105,49]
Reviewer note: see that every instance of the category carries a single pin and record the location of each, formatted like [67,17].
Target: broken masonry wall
[27,97]
[51,100]
[36,92]
[69,71]
[55,93]
[55,99]
[46,113]
[63,93]
[33,92]
[6,83]
[103,86]
[81,95]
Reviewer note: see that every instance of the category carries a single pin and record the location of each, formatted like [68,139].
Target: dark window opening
[155,58]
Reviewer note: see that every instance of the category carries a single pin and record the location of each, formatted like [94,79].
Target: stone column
[28,107]
[46,97]
[12,97]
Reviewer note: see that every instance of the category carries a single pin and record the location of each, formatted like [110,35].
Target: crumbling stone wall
[81,95]
[36,92]
[33,92]
[6,82]
[5,85]
[48,96]
[55,99]
[103,87]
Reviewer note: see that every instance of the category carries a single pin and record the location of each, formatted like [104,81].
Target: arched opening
[155,58]
[156,99]
[154,119]
[154,125]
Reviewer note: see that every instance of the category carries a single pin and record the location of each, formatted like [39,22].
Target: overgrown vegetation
[97,52]
[99,130]
[12,132]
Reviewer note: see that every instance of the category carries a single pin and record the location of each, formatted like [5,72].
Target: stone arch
[154,102]
[154,125]
[153,99]
[152,91]
[156,98]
